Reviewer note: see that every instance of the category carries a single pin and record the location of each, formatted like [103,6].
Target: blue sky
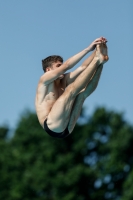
[32,30]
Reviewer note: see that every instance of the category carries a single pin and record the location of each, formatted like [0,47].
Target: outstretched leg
[59,115]
[77,106]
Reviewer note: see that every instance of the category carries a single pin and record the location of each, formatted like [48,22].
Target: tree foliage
[94,162]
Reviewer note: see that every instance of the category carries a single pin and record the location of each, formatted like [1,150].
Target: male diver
[60,95]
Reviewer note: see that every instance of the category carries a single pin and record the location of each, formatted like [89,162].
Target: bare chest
[50,93]
[54,93]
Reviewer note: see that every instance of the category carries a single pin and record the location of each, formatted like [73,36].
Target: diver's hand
[100,40]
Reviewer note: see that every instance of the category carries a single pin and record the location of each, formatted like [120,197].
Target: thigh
[76,111]
[59,115]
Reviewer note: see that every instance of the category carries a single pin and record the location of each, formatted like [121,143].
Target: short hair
[47,62]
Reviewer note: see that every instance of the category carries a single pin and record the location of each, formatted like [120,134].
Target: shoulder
[43,79]
[49,77]
[41,91]
[42,84]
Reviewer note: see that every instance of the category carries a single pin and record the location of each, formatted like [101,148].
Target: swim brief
[63,134]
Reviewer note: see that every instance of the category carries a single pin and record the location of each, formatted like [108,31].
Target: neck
[57,81]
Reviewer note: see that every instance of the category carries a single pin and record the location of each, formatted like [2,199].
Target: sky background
[34,29]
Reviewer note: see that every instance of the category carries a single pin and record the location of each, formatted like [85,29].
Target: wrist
[87,50]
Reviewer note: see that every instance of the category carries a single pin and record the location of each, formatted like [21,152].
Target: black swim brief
[63,134]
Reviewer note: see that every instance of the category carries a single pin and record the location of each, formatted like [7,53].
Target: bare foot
[102,53]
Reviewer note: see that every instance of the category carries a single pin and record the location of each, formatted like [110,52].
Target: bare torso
[46,96]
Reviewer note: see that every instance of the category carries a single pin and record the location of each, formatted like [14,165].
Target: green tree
[4,154]
[94,162]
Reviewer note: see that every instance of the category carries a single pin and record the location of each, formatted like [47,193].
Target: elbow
[83,67]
